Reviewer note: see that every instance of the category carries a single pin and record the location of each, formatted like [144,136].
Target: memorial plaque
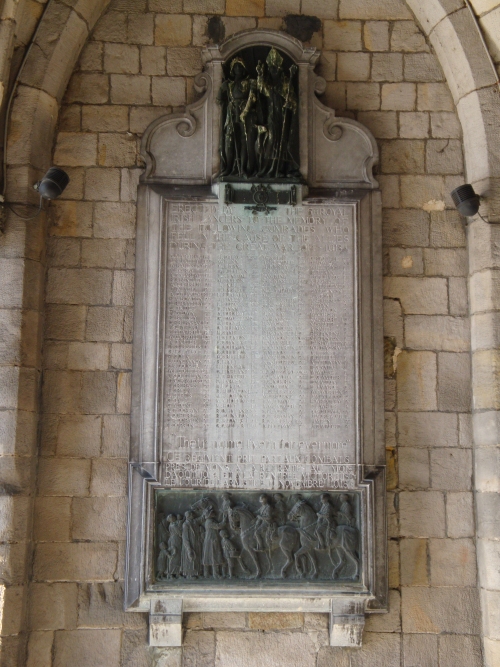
[257,453]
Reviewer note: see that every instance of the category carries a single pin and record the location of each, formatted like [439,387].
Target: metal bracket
[260,196]
[165,622]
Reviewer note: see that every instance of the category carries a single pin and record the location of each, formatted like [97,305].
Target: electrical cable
[31,217]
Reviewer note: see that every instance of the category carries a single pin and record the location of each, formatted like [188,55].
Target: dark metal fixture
[52,184]
[466,200]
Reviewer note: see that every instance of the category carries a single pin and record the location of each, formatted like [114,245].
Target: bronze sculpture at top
[259,122]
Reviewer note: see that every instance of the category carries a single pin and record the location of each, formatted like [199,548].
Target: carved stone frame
[195,132]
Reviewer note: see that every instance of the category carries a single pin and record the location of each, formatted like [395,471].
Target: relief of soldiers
[280,509]
[191,558]
[174,546]
[231,554]
[226,506]
[264,526]
[325,522]
[212,559]
[345,515]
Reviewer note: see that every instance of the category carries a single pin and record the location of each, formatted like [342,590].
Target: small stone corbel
[165,622]
[347,620]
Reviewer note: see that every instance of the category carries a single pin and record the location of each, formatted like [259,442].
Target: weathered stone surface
[406,227]
[402,96]
[223,620]
[414,125]
[79,286]
[420,649]
[460,651]
[425,332]
[65,322]
[437,610]
[98,519]
[52,519]
[284,649]
[406,261]
[390,622]
[427,429]
[109,478]
[378,650]
[417,380]
[105,118]
[342,35]
[64,477]
[424,296]
[87,648]
[70,218]
[422,514]
[460,514]
[40,649]
[451,469]
[376,35]
[52,606]
[453,562]
[373,9]
[414,562]
[414,469]
[101,606]
[454,391]
[263,621]
[75,562]
[79,435]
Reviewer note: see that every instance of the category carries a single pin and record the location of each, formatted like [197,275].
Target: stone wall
[140,61]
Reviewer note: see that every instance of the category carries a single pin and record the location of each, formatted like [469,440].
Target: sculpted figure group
[259,131]
[214,539]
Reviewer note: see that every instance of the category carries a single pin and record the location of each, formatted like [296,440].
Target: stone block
[70,116]
[402,156]
[165,6]
[70,218]
[109,478]
[88,88]
[374,9]
[420,650]
[434,97]
[153,60]
[105,118]
[453,562]
[237,24]
[363,96]
[123,288]
[14,518]
[393,320]
[414,125]
[387,67]
[101,606]
[123,394]
[104,324]
[225,620]
[172,30]
[79,286]
[273,7]
[112,27]
[444,156]
[40,649]
[491,650]
[336,95]
[489,563]
[128,188]
[88,356]
[454,374]
[183,61]
[130,89]
[333,655]
[169,91]
[63,251]
[74,149]
[447,230]
[52,519]
[427,429]
[52,606]
[140,29]
[324,9]
[414,562]
[487,469]
[114,220]
[342,35]
[445,125]
[409,228]
[414,470]
[465,436]
[275,621]
[460,651]
[121,58]
[376,35]
[245,649]
[79,436]
[103,184]
[390,622]
[422,67]
[65,322]
[446,262]
[74,189]
[437,332]
[440,610]
[98,519]
[116,150]
[488,519]
[419,296]
[406,261]
[75,562]
[248,8]
[353,66]
[389,186]
[91,57]
[422,514]
[87,648]
[121,356]
[104,253]
[399,97]
[382,124]
[406,36]
[63,477]
[490,605]
[116,436]
[451,469]
[204,6]
[98,392]
[378,650]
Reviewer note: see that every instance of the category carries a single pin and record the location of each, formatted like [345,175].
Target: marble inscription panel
[259,356]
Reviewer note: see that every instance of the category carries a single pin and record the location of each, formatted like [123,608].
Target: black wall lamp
[51,186]
[466,201]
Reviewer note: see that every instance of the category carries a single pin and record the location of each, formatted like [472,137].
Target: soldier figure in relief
[213,558]
[345,515]
[280,509]
[190,559]
[231,554]
[174,546]
[264,526]
[325,522]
